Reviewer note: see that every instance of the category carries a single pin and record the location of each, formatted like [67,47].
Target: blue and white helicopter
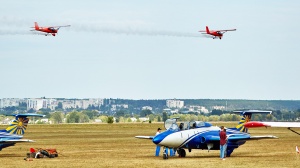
[14,133]
[202,135]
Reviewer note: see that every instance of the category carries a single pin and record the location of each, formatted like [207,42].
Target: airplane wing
[253,124]
[253,112]
[235,138]
[144,137]
[218,30]
[263,137]
[226,30]
[283,124]
[15,141]
[239,137]
[59,26]
[27,115]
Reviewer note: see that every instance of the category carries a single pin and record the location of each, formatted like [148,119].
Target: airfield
[114,145]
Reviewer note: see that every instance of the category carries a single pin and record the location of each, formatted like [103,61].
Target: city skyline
[150,50]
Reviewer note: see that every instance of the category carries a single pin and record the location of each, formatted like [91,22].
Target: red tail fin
[207,30]
[36,26]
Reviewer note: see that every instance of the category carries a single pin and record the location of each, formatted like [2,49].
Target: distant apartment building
[218,107]
[81,103]
[170,111]
[174,103]
[36,104]
[39,103]
[9,102]
[51,103]
[147,108]
[114,107]
[198,109]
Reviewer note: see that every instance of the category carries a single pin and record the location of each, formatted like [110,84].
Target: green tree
[91,114]
[120,113]
[151,117]
[59,106]
[297,114]
[104,119]
[269,117]
[202,118]
[83,118]
[57,117]
[121,119]
[214,118]
[73,117]
[110,119]
[45,110]
[216,112]
[47,114]
[31,111]
[165,116]
[146,112]
[159,119]
[22,106]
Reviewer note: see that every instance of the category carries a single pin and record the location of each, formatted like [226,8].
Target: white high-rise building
[175,103]
[9,102]
[37,103]
[81,103]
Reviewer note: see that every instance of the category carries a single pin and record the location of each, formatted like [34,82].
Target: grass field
[114,145]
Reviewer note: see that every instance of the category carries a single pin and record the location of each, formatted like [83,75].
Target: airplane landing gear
[181,152]
[165,154]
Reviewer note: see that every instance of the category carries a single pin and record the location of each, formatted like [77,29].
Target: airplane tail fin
[246,117]
[207,30]
[19,124]
[36,26]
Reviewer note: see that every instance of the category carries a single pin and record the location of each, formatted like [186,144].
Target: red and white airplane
[47,30]
[216,33]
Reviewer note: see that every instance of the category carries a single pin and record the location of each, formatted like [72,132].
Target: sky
[150,49]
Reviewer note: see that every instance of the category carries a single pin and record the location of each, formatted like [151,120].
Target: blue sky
[151,49]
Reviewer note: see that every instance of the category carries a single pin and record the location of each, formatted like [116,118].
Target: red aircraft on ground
[216,33]
[47,30]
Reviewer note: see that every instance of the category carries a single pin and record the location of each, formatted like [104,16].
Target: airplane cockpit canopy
[171,124]
[199,124]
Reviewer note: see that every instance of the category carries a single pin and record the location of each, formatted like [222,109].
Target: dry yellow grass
[114,145]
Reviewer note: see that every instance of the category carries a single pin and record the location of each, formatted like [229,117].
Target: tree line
[122,116]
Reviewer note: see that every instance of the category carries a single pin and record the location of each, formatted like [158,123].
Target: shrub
[110,120]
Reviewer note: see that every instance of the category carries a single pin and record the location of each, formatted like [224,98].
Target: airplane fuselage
[198,138]
[181,138]
[50,30]
[215,34]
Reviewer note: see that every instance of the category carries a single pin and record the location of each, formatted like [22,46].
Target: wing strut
[293,131]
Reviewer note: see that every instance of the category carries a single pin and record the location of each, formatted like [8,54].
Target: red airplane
[216,33]
[47,30]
